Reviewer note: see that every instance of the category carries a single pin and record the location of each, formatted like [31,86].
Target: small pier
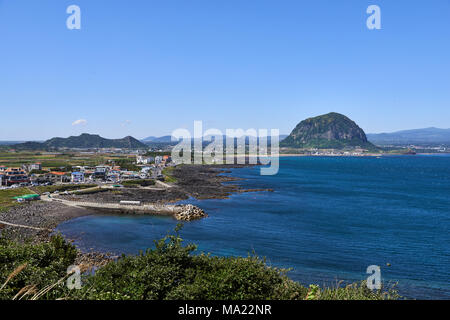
[180,212]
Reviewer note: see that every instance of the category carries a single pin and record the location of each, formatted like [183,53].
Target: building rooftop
[57,173]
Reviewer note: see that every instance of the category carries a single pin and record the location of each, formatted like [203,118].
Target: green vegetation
[329,131]
[355,291]
[29,268]
[7,195]
[139,182]
[157,153]
[127,163]
[62,187]
[57,160]
[38,172]
[92,190]
[82,141]
[169,271]
[168,175]
[63,168]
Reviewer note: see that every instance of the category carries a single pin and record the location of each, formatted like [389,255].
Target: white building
[101,169]
[77,177]
[146,169]
[144,160]
[35,166]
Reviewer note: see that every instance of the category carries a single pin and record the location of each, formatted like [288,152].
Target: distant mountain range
[168,140]
[84,141]
[328,131]
[7,143]
[428,136]
[163,139]
[93,141]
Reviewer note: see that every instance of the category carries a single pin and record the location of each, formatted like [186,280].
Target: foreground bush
[28,268]
[170,271]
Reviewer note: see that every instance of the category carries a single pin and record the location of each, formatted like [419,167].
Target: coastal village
[138,177]
[35,174]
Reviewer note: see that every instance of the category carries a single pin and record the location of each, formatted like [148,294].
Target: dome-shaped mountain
[329,131]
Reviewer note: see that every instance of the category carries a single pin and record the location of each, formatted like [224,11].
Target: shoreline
[40,219]
[37,221]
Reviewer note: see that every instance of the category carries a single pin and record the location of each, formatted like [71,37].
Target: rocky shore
[196,181]
[39,214]
[189,213]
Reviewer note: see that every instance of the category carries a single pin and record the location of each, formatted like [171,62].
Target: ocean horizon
[327,219]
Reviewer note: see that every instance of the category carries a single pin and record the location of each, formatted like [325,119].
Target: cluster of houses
[13,176]
[158,160]
[151,167]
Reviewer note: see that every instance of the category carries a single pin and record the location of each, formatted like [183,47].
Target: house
[35,166]
[57,176]
[100,172]
[113,177]
[2,175]
[14,176]
[146,169]
[167,158]
[98,175]
[77,177]
[114,174]
[129,175]
[101,169]
[158,159]
[144,160]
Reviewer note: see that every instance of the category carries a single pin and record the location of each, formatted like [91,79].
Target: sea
[327,220]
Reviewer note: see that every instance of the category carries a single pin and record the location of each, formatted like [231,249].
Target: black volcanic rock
[329,131]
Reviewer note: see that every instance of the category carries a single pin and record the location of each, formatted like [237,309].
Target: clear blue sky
[148,67]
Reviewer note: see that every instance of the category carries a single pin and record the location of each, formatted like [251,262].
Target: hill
[329,131]
[163,139]
[168,140]
[84,141]
[427,136]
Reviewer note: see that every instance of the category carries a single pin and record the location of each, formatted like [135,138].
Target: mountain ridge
[430,135]
[84,141]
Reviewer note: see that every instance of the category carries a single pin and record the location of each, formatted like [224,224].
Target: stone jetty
[186,212]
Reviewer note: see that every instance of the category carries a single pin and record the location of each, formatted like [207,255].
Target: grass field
[6,197]
[61,188]
[168,177]
[137,183]
[52,160]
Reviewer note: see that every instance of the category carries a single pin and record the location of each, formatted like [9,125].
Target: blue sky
[145,68]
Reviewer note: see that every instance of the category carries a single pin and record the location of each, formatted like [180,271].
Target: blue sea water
[328,219]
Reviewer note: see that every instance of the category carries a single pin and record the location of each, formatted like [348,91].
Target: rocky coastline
[193,181]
